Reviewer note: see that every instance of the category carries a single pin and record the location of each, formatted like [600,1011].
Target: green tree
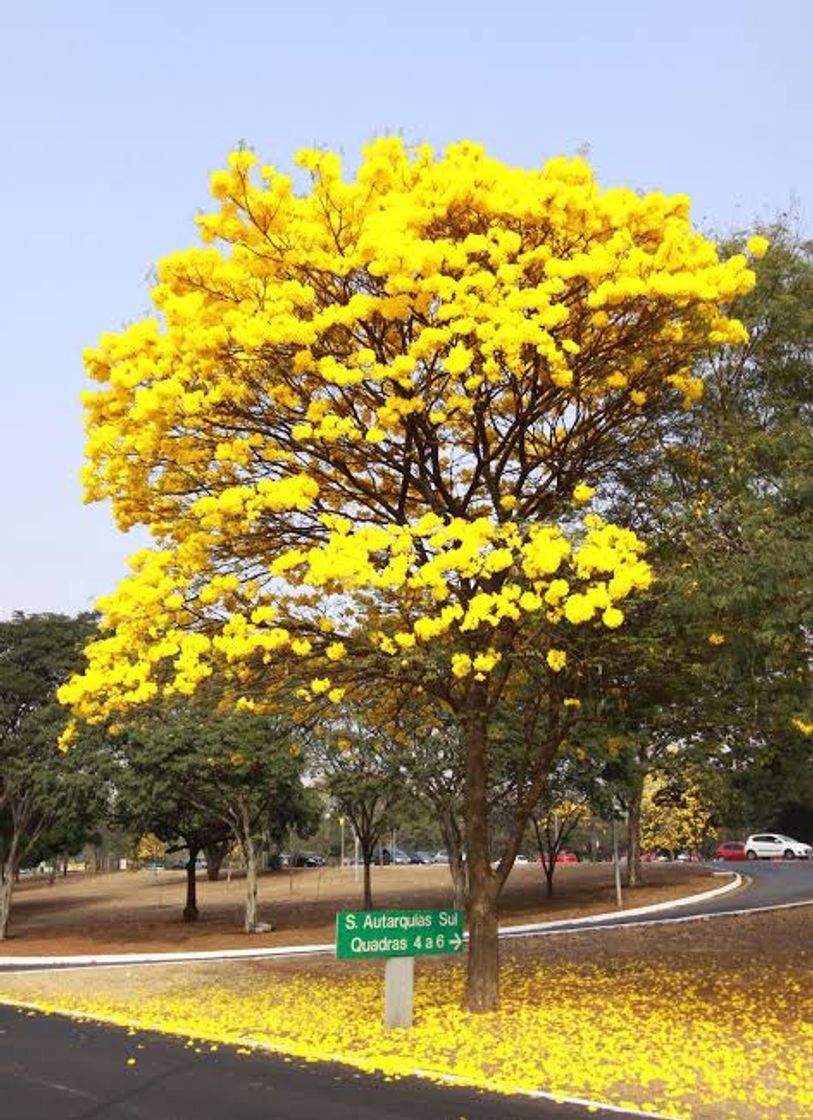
[362,776]
[197,775]
[716,658]
[42,791]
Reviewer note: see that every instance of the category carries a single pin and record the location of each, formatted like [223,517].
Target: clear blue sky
[114,113]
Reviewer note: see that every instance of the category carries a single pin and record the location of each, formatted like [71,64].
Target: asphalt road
[767,884]
[58,1069]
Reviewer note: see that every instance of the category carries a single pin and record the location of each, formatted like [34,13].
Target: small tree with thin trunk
[431,763]
[554,824]
[362,777]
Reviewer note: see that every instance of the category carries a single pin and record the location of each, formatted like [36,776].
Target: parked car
[441,857]
[394,855]
[730,849]
[422,857]
[518,858]
[773,845]
[308,859]
[566,856]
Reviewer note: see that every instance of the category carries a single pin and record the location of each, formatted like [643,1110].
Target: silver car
[773,845]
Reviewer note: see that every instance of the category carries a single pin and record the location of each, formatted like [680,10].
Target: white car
[767,845]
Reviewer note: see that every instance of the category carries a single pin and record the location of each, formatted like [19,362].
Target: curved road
[767,885]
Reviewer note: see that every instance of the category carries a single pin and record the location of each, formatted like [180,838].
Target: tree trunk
[634,830]
[482,991]
[460,883]
[8,872]
[367,859]
[5,902]
[549,867]
[250,857]
[190,911]
[545,858]
[215,854]
[457,865]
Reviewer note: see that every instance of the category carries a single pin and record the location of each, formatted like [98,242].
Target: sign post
[400,936]
[399,991]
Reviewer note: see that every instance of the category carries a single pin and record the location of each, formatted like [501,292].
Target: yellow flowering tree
[674,814]
[360,420]
[150,848]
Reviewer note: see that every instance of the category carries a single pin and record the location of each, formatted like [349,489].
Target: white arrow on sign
[456,941]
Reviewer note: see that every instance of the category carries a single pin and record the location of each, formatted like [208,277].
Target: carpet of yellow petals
[667,1035]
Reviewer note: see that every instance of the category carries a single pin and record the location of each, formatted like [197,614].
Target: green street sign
[398,933]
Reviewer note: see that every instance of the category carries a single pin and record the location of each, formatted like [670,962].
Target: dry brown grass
[141,911]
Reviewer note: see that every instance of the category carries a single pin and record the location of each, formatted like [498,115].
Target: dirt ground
[140,911]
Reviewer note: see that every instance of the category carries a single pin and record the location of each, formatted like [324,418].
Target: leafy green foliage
[49,801]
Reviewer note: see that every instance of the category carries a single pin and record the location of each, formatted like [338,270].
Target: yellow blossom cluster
[392,383]
[539,572]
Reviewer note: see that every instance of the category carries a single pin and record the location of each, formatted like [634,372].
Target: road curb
[614,915]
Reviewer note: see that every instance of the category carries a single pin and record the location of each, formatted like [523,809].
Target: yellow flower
[461,664]
[612,617]
[583,493]
[68,737]
[757,245]
[556,659]
[716,638]
[485,662]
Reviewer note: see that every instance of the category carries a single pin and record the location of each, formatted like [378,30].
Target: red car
[730,849]
[567,857]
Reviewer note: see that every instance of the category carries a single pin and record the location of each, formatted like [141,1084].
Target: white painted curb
[535,928]
[613,916]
